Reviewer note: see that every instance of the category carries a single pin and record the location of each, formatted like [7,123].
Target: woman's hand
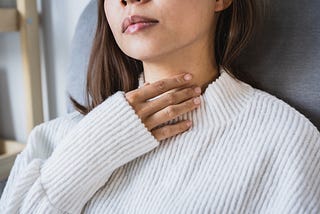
[167,107]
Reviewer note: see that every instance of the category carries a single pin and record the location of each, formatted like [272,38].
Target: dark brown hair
[110,70]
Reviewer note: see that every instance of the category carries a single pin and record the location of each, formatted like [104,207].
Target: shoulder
[61,124]
[281,119]
[44,137]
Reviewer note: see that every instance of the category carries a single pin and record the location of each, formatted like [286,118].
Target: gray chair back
[80,52]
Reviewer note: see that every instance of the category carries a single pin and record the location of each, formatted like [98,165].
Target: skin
[182,41]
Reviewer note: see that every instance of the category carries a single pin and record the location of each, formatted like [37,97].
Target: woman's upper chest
[189,173]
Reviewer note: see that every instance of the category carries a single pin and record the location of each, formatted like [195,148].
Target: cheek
[112,16]
[185,21]
[181,14]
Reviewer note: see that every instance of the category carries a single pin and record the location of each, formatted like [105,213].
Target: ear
[222,5]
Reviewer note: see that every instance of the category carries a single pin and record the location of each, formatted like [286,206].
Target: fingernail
[187,77]
[196,100]
[197,90]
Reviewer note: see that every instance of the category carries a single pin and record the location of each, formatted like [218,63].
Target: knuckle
[170,111]
[160,85]
[151,105]
[179,80]
[170,98]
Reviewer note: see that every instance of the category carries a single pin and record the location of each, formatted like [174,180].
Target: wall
[58,20]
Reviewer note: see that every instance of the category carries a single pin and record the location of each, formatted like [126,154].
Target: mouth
[135,22]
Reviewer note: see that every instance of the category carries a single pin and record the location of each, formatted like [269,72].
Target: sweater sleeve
[298,190]
[108,137]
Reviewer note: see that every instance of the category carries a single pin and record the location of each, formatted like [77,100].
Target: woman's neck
[197,60]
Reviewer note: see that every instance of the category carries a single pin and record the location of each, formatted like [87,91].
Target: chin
[142,51]
[142,55]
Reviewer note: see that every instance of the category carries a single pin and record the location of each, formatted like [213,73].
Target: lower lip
[139,26]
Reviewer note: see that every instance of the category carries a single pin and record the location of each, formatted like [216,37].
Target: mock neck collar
[223,100]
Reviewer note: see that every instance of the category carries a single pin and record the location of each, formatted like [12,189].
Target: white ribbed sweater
[247,152]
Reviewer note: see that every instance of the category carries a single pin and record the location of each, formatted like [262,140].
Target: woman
[156,67]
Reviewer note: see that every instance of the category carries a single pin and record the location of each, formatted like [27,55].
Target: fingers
[171,112]
[171,130]
[159,87]
[171,99]
[177,97]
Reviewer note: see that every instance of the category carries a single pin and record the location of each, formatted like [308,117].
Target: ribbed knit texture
[247,152]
